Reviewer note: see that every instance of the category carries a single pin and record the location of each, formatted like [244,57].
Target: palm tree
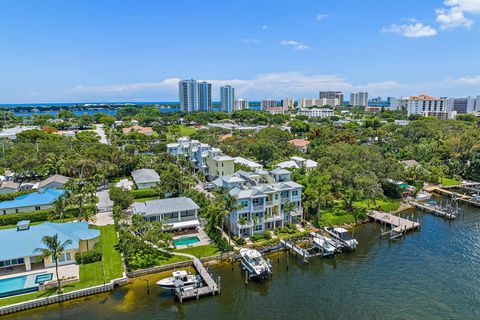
[54,248]
[229,205]
[288,207]
[60,207]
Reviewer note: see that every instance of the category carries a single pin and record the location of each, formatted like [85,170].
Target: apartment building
[242,104]
[336,96]
[268,103]
[359,99]
[307,103]
[428,106]
[316,112]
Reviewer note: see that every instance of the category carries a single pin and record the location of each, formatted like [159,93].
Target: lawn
[382,204]
[90,274]
[187,131]
[447,182]
[146,199]
[200,251]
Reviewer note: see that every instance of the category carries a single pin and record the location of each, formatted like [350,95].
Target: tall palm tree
[53,248]
[288,207]
[60,207]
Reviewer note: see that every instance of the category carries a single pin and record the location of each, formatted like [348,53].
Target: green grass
[36,223]
[335,218]
[200,251]
[146,199]
[382,204]
[447,182]
[187,131]
[90,274]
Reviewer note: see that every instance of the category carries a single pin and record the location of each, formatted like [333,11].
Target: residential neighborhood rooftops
[279,171]
[140,129]
[145,176]
[42,197]
[247,162]
[55,178]
[410,163]
[300,142]
[22,243]
[154,207]
[10,185]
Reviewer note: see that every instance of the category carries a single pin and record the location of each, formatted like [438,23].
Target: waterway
[429,274]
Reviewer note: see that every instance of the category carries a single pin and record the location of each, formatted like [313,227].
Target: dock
[210,287]
[435,210]
[398,224]
[457,196]
[296,249]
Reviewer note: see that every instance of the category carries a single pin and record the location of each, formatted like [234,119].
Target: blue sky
[136,50]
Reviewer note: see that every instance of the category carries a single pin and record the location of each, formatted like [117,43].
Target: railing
[274,218]
[258,208]
[269,203]
[246,224]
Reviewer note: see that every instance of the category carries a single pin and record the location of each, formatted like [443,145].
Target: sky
[137,50]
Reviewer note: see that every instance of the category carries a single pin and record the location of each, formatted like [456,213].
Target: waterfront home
[145,178]
[9,187]
[144,130]
[211,161]
[40,200]
[252,165]
[263,206]
[297,163]
[175,213]
[300,144]
[23,240]
[57,181]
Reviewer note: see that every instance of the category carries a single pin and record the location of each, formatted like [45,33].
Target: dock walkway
[458,196]
[399,225]
[210,288]
[296,249]
[436,210]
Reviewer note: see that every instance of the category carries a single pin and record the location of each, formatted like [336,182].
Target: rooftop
[42,197]
[55,178]
[145,176]
[23,243]
[161,206]
[299,142]
[144,130]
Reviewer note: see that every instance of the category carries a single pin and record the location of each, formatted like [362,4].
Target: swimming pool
[22,284]
[184,241]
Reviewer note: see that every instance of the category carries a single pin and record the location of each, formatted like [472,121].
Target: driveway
[101,133]
[104,208]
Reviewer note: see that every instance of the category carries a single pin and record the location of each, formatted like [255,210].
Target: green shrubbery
[13,195]
[239,240]
[289,228]
[89,256]
[144,193]
[34,216]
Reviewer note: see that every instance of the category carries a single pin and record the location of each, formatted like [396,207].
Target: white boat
[343,236]
[321,243]
[423,196]
[179,279]
[253,262]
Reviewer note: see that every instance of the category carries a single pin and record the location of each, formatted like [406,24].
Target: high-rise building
[227,98]
[288,103]
[359,99]
[242,104]
[464,105]
[268,103]
[188,95]
[194,96]
[204,96]
[332,95]
[428,106]
[305,102]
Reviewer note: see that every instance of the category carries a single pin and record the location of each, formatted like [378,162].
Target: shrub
[121,197]
[13,195]
[89,256]
[257,237]
[240,241]
[144,193]
[34,216]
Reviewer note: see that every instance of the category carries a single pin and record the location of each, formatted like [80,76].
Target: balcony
[274,218]
[247,224]
[296,212]
[259,207]
[269,203]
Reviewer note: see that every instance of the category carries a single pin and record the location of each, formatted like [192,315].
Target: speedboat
[253,262]
[321,243]
[423,196]
[343,236]
[181,279]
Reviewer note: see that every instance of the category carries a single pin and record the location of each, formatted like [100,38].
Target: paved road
[101,133]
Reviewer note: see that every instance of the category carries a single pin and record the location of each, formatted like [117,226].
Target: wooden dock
[458,196]
[436,210]
[210,287]
[399,225]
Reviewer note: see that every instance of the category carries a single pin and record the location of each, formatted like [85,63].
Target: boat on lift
[321,243]
[343,237]
[253,262]
[180,278]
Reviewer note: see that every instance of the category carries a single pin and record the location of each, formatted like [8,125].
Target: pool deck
[65,271]
[204,239]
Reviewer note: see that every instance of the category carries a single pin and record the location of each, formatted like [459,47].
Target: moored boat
[253,262]
[343,236]
[179,278]
[322,244]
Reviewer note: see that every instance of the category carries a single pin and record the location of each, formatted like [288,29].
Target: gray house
[57,181]
[145,178]
[176,213]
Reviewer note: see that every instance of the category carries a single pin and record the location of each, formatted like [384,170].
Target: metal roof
[42,197]
[145,176]
[23,243]
[161,206]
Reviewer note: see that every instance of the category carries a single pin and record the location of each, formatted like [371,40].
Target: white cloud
[467,80]
[264,26]
[251,40]
[322,16]
[452,18]
[416,30]
[453,15]
[295,44]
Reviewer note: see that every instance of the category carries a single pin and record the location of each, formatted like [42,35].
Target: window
[276,196]
[294,193]
[258,227]
[66,256]
[16,210]
[244,203]
[37,208]
[4,211]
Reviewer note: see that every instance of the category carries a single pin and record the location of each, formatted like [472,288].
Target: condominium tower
[337,96]
[359,99]
[194,96]
[227,98]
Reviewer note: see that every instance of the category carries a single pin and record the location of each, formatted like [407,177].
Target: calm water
[430,274]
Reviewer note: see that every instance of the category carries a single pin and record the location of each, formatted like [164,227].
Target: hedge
[35,216]
[89,256]
[144,193]
[13,195]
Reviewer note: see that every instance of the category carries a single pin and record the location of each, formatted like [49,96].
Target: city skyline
[402,48]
